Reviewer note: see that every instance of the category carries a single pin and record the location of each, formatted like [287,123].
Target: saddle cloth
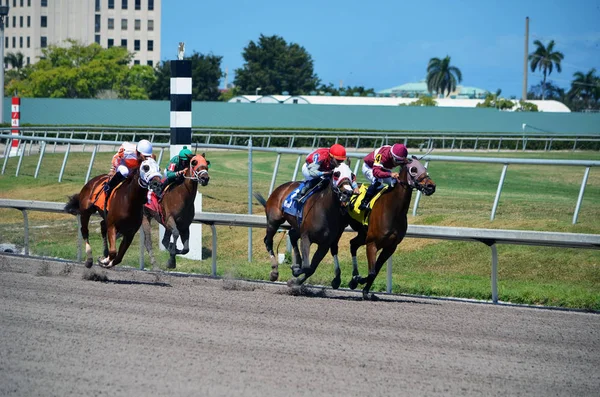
[363,216]
[292,207]
[99,195]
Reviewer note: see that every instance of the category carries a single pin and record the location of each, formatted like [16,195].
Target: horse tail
[260,199]
[72,206]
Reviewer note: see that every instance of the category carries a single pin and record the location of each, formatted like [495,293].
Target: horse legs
[166,240]
[85,234]
[125,243]
[268,240]
[337,280]
[375,266]
[147,228]
[184,235]
[111,234]
[355,243]
[305,243]
[296,257]
[316,259]
[172,263]
[104,240]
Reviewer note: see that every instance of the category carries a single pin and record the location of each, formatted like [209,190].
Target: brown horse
[124,215]
[177,207]
[387,223]
[323,223]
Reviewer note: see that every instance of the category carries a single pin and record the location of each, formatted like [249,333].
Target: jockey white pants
[368,173]
[123,170]
[306,173]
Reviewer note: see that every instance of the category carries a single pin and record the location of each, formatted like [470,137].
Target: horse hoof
[274,276]
[89,263]
[371,297]
[353,283]
[296,271]
[335,283]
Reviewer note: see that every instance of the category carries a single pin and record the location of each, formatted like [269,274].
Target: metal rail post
[389,275]
[581,191]
[498,192]
[142,238]
[91,165]
[494,273]
[39,164]
[24,144]
[214,249]
[274,177]
[26,233]
[79,238]
[250,196]
[64,164]
[296,168]
[6,154]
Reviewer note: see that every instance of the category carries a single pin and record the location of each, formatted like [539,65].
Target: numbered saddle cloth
[363,215]
[293,207]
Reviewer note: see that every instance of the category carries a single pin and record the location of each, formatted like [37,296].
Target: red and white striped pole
[15,119]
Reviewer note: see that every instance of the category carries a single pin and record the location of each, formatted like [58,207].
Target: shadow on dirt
[323,293]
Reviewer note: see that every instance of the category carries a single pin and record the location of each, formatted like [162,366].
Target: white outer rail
[490,237]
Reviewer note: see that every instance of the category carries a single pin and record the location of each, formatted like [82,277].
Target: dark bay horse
[387,223]
[323,223]
[177,206]
[124,215]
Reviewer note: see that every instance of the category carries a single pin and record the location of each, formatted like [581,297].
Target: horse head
[199,166]
[342,179]
[149,176]
[418,178]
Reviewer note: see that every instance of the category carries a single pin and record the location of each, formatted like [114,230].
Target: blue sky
[381,44]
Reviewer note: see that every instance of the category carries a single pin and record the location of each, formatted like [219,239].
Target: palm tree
[585,86]
[14,60]
[442,77]
[544,59]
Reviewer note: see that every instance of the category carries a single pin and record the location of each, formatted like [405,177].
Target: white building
[543,106]
[32,25]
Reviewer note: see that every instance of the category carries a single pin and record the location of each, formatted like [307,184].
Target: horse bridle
[343,196]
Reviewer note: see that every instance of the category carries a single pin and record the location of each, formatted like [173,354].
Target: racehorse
[323,223]
[387,223]
[177,211]
[124,215]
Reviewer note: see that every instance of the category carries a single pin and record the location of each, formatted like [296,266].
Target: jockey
[126,159]
[377,168]
[320,164]
[174,171]
[177,166]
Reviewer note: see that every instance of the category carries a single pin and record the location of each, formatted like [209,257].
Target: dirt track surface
[142,334]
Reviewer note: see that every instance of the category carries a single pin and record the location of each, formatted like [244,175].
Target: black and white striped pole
[181,103]
[181,135]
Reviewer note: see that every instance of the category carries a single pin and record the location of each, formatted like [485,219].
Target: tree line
[271,66]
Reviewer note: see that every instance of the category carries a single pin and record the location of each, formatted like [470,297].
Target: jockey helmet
[144,147]
[338,152]
[399,152]
[185,154]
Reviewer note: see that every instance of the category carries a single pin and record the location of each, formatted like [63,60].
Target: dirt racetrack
[155,334]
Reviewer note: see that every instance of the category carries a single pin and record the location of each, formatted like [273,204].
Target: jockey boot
[369,195]
[111,183]
[308,185]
